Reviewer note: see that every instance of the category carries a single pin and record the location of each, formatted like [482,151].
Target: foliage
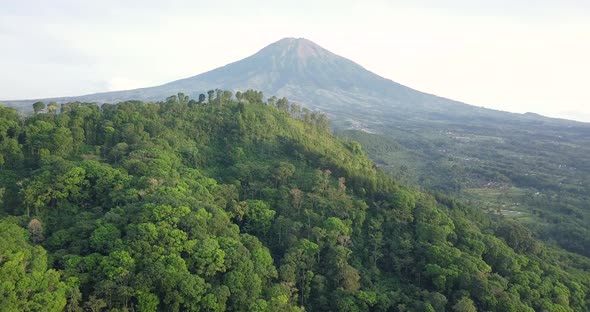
[239,204]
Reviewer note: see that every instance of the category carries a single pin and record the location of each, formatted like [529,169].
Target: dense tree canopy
[222,204]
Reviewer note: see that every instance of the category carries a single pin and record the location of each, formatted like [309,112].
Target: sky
[518,56]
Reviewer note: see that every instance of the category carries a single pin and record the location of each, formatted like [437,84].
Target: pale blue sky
[511,55]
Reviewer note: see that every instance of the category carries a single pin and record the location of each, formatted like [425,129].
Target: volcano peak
[300,48]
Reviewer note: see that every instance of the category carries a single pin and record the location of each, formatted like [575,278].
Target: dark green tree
[38,107]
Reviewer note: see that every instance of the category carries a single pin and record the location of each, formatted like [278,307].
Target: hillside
[526,167]
[244,205]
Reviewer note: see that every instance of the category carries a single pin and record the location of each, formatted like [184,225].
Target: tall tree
[52,108]
[210,94]
[202,98]
[38,107]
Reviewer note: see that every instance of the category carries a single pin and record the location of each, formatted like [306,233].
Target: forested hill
[236,204]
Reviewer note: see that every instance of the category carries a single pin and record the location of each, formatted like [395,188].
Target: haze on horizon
[519,57]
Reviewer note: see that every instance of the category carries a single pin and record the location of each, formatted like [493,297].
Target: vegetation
[535,174]
[238,204]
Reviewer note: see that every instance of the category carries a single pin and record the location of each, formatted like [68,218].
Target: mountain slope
[305,72]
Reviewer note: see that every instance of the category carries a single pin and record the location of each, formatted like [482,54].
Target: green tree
[38,107]
[465,304]
[259,217]
[282,172]
[283,104]
[52,108]
[26,283]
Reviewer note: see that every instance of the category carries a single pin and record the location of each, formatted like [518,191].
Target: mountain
[523,166]
[304,72]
